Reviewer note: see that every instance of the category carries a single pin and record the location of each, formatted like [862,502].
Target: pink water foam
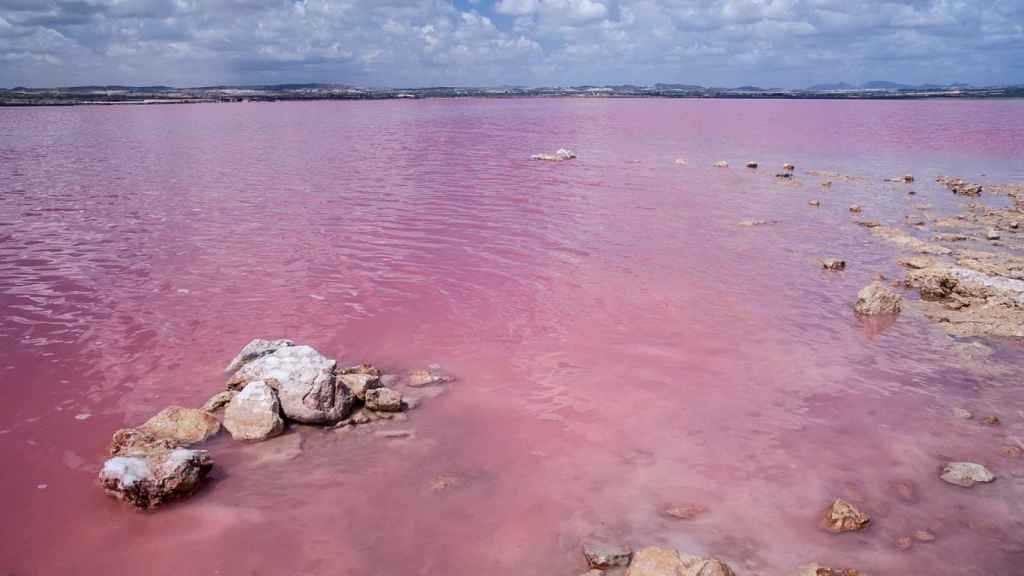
[620,343]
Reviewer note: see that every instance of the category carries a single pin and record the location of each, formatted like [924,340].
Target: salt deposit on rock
[966,474]
[148,479]
[254,349]
[254,413]
[561,155]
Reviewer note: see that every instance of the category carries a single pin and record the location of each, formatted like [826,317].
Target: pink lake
[620,343]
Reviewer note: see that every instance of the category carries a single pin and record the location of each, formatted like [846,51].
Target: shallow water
[620,343]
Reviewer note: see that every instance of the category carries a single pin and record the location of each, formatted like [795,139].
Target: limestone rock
[654,561]
[134,440]
[254,350]
[305,383]
[876,298]
[254,413]
[384,400]
[603,555]
[183,425]
[218,401]
[359,383]
[148,479]
[841,516]
[966,474]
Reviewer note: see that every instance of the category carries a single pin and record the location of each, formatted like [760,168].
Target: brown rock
[855,209]
[788,167]
[604,555]
[218,401]
[924,536]
[876,298]
[833,264]
[359,382]
[904,543]
[384,400]
[684,511]
[148,479]
[991,420]
[183,425]
[135,440]
[814,203]
[654,561]
[841,516]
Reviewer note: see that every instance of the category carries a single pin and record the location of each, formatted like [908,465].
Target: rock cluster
[272,383]
[959,186]
[655,561]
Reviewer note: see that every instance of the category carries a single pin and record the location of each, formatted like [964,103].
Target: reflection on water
[621,344]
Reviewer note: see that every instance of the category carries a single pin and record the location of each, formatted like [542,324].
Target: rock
[254,350]
[681,162]
[924,536]
[359,383]
[751,164]
[869,223]
[959,186]
[819,570]
[304,381]
[814,202]
[991,420]
[992,234]
[254,413]
[218,401]
[833,264]
[684,511]
[134,440]
[826,184]
[876,298]
[962,414]
[603,555]
[784,175]
[394,434]
[752,223]
[368,369]
[654,561]
[1012,451]
[903,179]
[855,209]
[428,377]
[561,155]
[841,516]
[721,164]
[916,262]
[966,474]
[904,543]
[384,400]
[905,240]
[788,167]
[149,479]
[183,425]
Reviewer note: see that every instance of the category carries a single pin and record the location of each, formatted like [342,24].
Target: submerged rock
[305,384]
[966,474]
[654,561]
[833,264]
[183,425]
[819,570]
[721,164]
[427,377]
[384,400]
[561,155]
[603,555]
[148,479]
[842,516]
[855,209]
[784,175]
[876,298]
[959,186]
[751,164]
[255,349]
[684,511]
[254,413]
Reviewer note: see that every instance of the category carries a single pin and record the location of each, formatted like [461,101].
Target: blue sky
[772,43]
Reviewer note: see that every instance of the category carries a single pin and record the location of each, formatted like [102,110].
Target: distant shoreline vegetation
[106,95]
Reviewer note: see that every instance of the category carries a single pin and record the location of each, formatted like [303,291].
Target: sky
[412,43]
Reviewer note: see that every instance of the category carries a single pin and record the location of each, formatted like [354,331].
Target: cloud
[423,42]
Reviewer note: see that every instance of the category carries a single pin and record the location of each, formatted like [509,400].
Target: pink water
[620,343]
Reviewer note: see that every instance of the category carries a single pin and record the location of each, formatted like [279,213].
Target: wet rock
[721,164]
[991,420]
[604,555]
[368,369]
[814,202]
[992,234]
[427,377]
[904,543]
[916,262]
[751,164]
[788,167]
[384,400]
[819,570]
[560,156]
[148,479]
[833,264]
[753,223]
[359,383]
[394,434]
[924,536]
[876,298]
[907,179]
[951,237]
[254,413]
[254,350]
[1012,451]
[855,209]
[842,516]
[304,381]
[218,401]
[970,303]
[654,561]
[962,414]
[681,162]
[869,223]
[684,511]
[966,474]
[959,186]
[135,440]
[826,184]
[183,425]
[784,175]
[904,240]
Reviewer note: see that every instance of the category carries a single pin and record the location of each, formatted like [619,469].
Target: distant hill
[883,85]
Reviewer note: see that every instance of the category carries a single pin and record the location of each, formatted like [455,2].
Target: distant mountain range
[885,86]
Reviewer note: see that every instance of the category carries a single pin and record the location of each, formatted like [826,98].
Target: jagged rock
[654,561]
[148,479]
[959,186]
[833,264]
[788,167]
[561,155]
[855,209]
[841,516]
[305,384]
[751,164]
[876,298]
[135,440]
[254,413]
[603,555]
[966,474]
[902,239]
[359,383]
[384,400]
[183,425]
[368,369]
[255,349]
[218,401]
